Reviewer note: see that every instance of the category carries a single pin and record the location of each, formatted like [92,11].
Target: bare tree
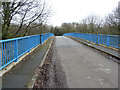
[93,22]
[90,24]
[24,13]
[0,23]
[113,20]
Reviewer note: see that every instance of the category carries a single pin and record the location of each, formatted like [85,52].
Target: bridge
[74,60]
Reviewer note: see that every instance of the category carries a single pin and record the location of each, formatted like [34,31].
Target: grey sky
[76,10]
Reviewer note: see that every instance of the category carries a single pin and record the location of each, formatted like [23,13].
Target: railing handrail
[17,38]
[91,33]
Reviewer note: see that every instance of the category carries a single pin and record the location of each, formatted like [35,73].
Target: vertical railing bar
[16,50]
[7,50]
[98,38]
[2,54]
[5,53]
[40,39]
[29,44]
[108,40]
[10,49]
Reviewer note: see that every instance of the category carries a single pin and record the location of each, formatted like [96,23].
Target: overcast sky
[75,10]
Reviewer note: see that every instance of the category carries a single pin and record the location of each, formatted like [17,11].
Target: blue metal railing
[12,49]
[45,36]
[108,40]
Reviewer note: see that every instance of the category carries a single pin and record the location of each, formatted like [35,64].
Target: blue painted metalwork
[108,40]
[45,36]
[12,49]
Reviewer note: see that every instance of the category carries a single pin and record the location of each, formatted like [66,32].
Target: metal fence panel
[114,41]
[44,37]
[12,49]
[108,40]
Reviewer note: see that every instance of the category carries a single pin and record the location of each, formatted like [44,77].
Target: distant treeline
[93,24]
[18,21]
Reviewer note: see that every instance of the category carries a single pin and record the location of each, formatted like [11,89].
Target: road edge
[33,80]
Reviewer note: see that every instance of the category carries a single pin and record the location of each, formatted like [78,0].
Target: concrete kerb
[13,64]
[32,82]
[90,45]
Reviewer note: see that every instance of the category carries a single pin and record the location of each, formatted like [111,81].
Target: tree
[0,23]
[68,27]
[113,21]
[93,23]
[23,13]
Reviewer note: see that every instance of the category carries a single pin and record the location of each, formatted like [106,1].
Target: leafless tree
[91,22]
[113,20]
[24,13]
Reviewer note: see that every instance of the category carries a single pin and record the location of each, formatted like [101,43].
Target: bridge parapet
[12,49]
[108,40]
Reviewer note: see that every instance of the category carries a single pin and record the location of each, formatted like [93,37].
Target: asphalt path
[85,68]
[21,75]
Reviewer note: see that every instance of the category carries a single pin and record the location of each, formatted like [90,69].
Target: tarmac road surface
[85,68]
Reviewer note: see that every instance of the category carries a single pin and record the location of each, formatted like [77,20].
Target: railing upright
[108,40]
[16,49]
[98,38]
[29,44]
[40,39]
[2,54]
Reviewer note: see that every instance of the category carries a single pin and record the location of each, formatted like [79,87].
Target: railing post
[2,62]
[16,50]
[108,40]
[40,39]
[97,38]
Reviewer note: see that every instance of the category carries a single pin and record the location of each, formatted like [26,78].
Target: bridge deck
[83,67]
[21,75]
